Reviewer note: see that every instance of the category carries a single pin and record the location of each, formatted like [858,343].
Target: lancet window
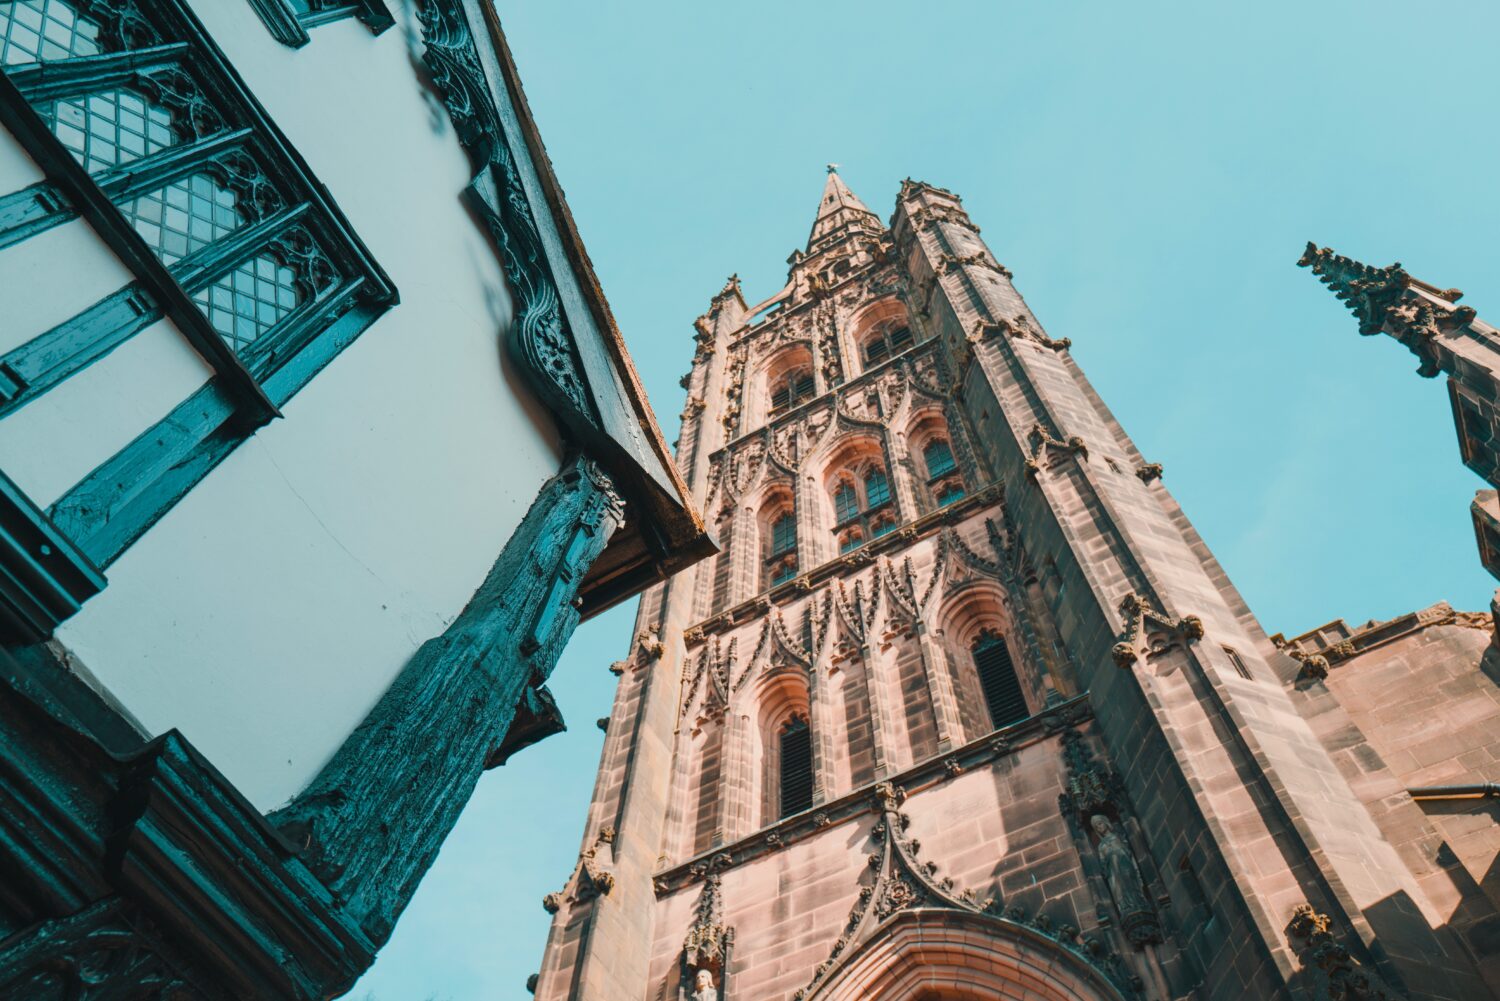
[998,679]
[779,532]
[796,778]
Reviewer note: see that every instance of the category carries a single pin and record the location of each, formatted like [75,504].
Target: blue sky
[1150,172]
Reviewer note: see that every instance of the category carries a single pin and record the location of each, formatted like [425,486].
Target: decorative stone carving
[1125,883]
[552,902]
[1339,976]
[706,949]
[1314,665]
[1150,471]
[899,882]
[1041,439]
[1383,299]
[1134,645]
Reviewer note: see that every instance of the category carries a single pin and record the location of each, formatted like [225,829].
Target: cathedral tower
[965,707]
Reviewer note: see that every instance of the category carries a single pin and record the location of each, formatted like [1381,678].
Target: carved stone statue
[703,986]
[1125,883]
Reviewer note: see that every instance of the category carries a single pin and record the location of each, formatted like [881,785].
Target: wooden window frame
[111,507]
[289,25]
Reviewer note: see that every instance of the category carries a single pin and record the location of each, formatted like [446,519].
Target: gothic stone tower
[965,707]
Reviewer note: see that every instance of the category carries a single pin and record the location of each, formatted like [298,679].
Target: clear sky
[1150,172]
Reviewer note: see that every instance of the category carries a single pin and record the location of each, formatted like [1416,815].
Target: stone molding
[858,802]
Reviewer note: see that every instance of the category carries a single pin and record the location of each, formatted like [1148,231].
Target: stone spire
[839,211]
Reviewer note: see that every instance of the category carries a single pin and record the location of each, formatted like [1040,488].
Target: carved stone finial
[1310,936]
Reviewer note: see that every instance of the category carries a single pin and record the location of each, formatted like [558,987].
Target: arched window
[780,544]
[944,481]
[783,534]
[845,503]
[939,458]
[796,779]
[794,388]
[863,508]
[997,678]
[886,344]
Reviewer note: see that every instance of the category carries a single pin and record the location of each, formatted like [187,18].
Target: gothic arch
[876,320]
[781,700]
[849,502]
[786,361]
[776,545]
[927,954]
[929,440]
[977,612]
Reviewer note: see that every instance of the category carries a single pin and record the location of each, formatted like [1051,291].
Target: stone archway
[937,954]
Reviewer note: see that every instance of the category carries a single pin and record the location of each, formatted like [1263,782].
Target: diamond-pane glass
[185,216]
[37,30]
[110,128]
[249,301]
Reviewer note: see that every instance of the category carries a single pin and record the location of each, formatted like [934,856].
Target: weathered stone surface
[1181,787]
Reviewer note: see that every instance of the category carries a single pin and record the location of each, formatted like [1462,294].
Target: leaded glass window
[37,30]
[110,128]
[249,257]
[183,217]
[877,489]
[950,491]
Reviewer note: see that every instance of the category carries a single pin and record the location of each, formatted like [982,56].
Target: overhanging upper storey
[565,336]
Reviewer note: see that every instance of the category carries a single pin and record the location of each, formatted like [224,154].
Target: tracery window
[796,778]
[854,522]
[944,481]
[793,389]
[143,128]
[998,679]
[886,344]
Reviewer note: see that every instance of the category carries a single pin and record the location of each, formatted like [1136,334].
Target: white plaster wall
[98,411]
[268,611]
[53,276]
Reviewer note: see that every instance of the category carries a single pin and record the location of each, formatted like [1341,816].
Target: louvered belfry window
[796,767]
[997,678]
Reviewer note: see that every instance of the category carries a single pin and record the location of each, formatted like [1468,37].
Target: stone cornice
[858,802]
